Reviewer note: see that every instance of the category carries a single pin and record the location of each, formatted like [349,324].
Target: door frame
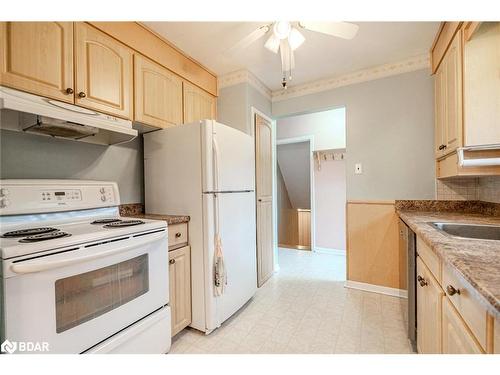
[310,139]
[254,111]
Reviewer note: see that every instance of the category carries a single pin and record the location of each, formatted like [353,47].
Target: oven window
[86,296]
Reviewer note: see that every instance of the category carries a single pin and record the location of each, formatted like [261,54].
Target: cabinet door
[158,94]
[103,72]
[180,288]
[440,112]
[429,298]
[38,57]
[198,104]
[454,94]
[457,338]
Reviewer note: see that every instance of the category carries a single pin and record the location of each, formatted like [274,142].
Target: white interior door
[264,193]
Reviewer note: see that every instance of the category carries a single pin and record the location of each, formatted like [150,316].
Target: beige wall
[330,203]
[35,156]
[327,128]
[389,129]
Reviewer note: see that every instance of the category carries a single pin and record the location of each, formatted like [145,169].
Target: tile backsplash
[469,188]
[489,189]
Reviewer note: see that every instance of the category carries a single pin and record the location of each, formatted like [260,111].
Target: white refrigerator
[206,170]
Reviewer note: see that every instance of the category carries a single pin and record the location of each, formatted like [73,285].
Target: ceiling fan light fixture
[282,29]
[272,43]
[295,38]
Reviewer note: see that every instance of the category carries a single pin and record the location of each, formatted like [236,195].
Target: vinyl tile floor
[305,309]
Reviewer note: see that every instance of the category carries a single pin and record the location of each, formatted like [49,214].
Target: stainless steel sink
[476,231]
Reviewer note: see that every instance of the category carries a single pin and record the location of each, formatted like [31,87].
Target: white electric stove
[76,277]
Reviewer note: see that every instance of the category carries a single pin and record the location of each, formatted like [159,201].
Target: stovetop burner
[106,221]
[45,236]
[124,223]
[28,232]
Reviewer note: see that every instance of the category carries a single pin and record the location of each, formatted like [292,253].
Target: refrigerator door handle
[215,148]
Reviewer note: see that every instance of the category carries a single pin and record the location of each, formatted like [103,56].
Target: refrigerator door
[237,231]
[228,158]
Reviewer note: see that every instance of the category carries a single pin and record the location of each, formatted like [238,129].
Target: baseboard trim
[376,289]
[326,250]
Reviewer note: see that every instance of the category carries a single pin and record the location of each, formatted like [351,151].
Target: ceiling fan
[285,37]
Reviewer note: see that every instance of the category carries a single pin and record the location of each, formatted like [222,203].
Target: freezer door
[237,231]
[231,153]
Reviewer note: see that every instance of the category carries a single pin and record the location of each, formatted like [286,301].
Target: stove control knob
[4,202]
[4,192]
[103,198]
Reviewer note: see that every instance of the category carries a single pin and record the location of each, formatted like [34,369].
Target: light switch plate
[358,168]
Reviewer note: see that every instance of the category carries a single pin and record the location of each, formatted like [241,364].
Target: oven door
[82,295]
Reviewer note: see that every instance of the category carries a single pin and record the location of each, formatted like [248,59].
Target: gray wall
[234,106]
[34,156]
[390,130]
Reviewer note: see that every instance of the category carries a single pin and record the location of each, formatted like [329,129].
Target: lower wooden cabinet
[429,298]
[449,318]
[180,288]
[457,338]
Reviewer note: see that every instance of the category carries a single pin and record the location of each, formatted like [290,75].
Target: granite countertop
[136,210]
[477,261]
[170,219]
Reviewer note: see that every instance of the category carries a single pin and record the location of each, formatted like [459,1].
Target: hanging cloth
[220,275]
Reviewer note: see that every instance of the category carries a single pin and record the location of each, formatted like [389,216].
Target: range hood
[20,111]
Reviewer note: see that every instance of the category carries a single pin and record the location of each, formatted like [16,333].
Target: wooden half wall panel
[373,243]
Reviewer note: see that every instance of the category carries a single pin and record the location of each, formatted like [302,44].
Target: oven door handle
[40,265]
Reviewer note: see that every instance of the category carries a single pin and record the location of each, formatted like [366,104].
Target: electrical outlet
[358,168]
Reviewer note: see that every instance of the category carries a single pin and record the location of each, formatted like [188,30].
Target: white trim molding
[364,75]
[370,74]
[326,250]
[243,76]
[376,289]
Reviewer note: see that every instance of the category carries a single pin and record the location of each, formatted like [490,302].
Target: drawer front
[430,259]
[177,235]
[460,294]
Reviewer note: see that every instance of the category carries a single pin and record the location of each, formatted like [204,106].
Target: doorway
[295,198]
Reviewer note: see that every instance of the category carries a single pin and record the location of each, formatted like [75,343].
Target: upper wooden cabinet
[198,104]
[158,94]
[38,57]
[93,67]
[448,100]
[103,72]
[482,84]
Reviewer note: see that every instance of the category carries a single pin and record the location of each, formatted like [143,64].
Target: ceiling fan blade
[249,39]
[273,43]
[344,30]
[287,57]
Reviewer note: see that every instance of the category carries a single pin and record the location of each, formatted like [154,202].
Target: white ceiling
[320,56]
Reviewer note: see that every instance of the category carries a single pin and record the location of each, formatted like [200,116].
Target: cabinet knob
[178,234]
[171,261]
[69,91]
[81,94]
[442,147]
[421,281]
[451,290]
